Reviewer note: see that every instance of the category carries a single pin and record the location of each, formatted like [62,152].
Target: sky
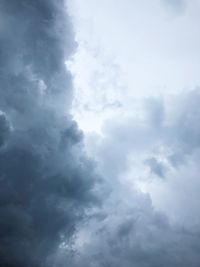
[99,133]
[136,73]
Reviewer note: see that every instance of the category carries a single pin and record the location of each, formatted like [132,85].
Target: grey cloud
[177,6]
[181,130]
[46,181]
[4,129]
[156,167]
[132,232]
[185,127]
[173,135]
[155,112]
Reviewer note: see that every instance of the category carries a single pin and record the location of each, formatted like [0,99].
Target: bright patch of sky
[132,49]
[131,52]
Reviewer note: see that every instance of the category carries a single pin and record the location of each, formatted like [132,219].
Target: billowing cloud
[129,230]
[133,234]
[49,195]
[45,178]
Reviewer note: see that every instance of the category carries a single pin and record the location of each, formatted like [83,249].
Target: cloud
[49,198]
[46,181]
[132,233]
[178,6]
[166,131]
[161,144]
[156,166]
[4,129]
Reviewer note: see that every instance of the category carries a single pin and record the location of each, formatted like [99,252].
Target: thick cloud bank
[49,214]
[45,179]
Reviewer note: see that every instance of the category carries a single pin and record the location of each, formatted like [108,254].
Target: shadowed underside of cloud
[45,178]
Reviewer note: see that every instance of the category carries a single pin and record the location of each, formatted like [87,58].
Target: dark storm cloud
[47,182]
[4,129]
[45,179]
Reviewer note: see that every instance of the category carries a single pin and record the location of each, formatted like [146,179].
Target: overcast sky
[136,76]
[136,79]
[99,133]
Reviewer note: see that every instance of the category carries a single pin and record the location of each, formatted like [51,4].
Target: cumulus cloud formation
[163,144]
[45,179]
[136,235]
[53,210]
[130,230]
